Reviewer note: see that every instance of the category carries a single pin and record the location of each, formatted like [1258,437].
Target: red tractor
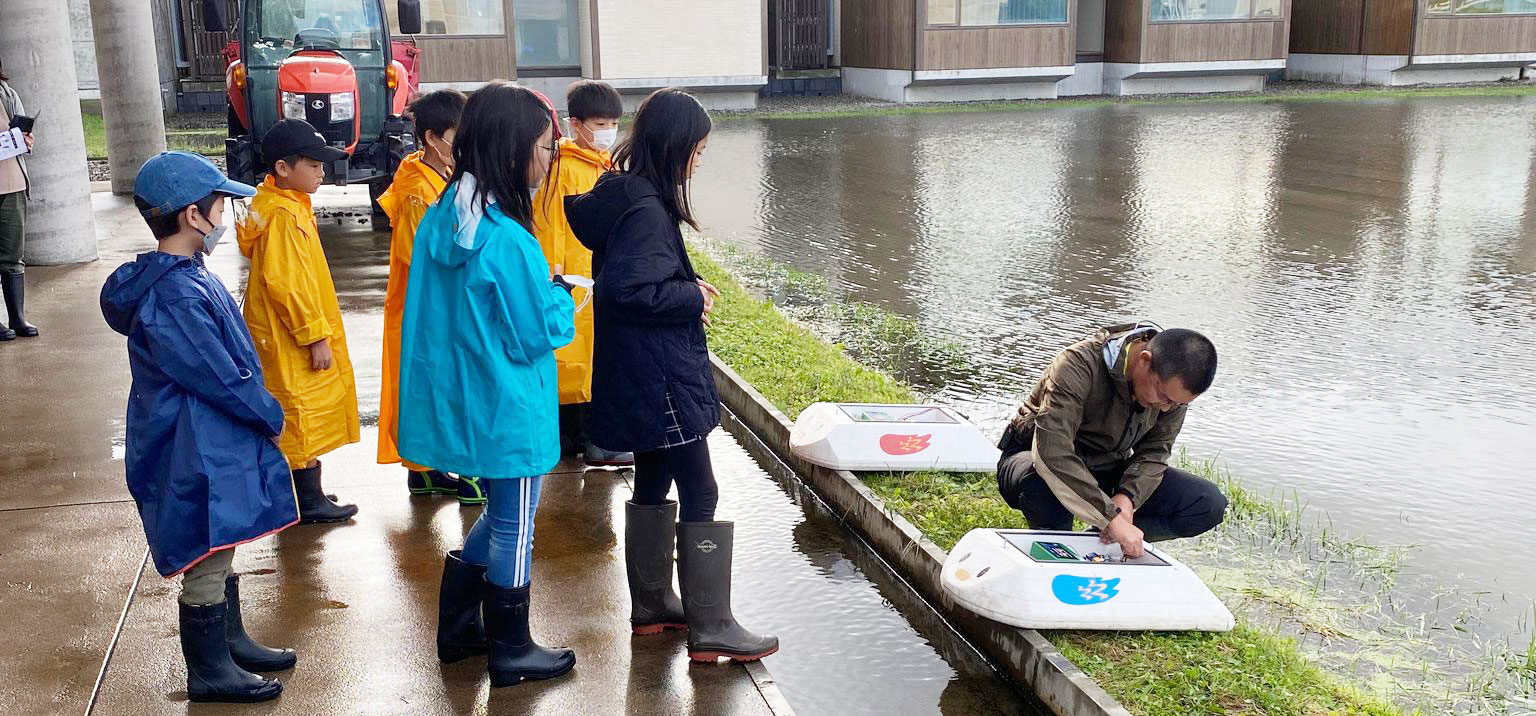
[331,63]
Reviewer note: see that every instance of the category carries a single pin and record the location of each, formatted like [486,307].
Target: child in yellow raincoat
[594,110]
[417,184]
[293,314]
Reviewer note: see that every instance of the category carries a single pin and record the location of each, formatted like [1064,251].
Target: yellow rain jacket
[577,173]
[416,187]
[290,302]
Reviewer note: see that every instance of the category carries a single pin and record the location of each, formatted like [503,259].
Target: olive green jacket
[1083,418]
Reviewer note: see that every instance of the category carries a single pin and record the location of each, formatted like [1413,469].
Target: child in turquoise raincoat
[202,459]
[483,318]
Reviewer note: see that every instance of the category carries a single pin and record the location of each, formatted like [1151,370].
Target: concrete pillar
[36,50]
[130,86]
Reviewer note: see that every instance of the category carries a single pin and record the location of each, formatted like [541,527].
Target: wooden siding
[1388,27]
[878,33]
[1215,41]
[1124,24]
[981,48]
[1352,27]
[1463,35]
[1331,27]
[466,59]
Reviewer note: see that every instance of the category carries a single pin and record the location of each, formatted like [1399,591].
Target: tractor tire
[379,220]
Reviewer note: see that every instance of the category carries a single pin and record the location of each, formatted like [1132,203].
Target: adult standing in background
[13,217]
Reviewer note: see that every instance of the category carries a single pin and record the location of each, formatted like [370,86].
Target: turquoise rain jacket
[201,460]
[477,353]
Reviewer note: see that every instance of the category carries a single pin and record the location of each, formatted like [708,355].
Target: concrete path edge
[1024,654]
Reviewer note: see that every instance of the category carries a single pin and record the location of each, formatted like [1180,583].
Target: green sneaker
[471,492]
[432,482]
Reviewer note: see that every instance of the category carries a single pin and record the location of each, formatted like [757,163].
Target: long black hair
[497,132]
[667,127]
[3,77]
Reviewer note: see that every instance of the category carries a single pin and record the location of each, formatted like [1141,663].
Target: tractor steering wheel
[317,37]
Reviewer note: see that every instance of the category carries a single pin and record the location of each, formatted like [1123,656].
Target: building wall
[681,38]
[995,47]
[1485,35]
[83,43]
[467,58]
[878,34]
[1352,27]
[1216,41]
[1132,38]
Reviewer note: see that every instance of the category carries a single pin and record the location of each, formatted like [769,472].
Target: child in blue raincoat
[202,460]
[483,318]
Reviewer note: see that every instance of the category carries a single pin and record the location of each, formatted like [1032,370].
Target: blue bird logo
[1084,590]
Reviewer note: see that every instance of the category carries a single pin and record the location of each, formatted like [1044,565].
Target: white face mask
[603,139]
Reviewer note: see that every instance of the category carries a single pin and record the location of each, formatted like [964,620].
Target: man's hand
[1127,535]
[710,292]
[28,136]
[320,355]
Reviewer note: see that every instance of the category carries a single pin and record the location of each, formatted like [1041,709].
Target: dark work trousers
[573,428]
[1182,506]
[13,228]
[687,465]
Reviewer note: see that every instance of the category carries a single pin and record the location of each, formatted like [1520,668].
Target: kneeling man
[1093,439]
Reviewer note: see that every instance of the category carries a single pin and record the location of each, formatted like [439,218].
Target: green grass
[1250,671]
[200,141]
[1491,90]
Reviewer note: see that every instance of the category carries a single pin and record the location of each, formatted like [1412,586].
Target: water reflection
[1365,267]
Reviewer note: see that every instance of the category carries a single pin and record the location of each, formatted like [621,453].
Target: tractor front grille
[317,111]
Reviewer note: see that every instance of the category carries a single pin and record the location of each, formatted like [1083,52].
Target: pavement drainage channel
[855,637]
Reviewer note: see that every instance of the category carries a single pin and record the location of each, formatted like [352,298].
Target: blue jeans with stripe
[502,539]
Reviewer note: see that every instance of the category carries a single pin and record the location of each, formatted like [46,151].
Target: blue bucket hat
[172,181]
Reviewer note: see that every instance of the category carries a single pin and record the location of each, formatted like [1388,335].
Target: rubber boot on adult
[460,630]
[515,657]
[704,562]
[14,288]
[315,507]
[247,653]
[650,542]
[212,675]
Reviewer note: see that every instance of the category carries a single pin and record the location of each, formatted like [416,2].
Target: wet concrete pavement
[357,600]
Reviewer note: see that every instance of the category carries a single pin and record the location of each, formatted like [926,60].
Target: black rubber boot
[14,286]
[431,482]
[704,561]
[211,674]
[247,653]
[460,631]
[314,505]
[515,657]
[650,541]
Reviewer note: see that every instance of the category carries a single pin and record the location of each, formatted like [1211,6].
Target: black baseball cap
[291,137]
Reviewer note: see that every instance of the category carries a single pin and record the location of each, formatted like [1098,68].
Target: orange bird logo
[904,444]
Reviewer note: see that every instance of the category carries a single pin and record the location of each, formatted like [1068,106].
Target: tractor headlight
[293,105]
[342,107]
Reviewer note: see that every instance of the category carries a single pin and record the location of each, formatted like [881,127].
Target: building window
[546,33]
[1482,7]
[1203,10]
[454,17]
[990,13]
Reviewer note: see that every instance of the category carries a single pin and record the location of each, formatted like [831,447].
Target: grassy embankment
[1249,671]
